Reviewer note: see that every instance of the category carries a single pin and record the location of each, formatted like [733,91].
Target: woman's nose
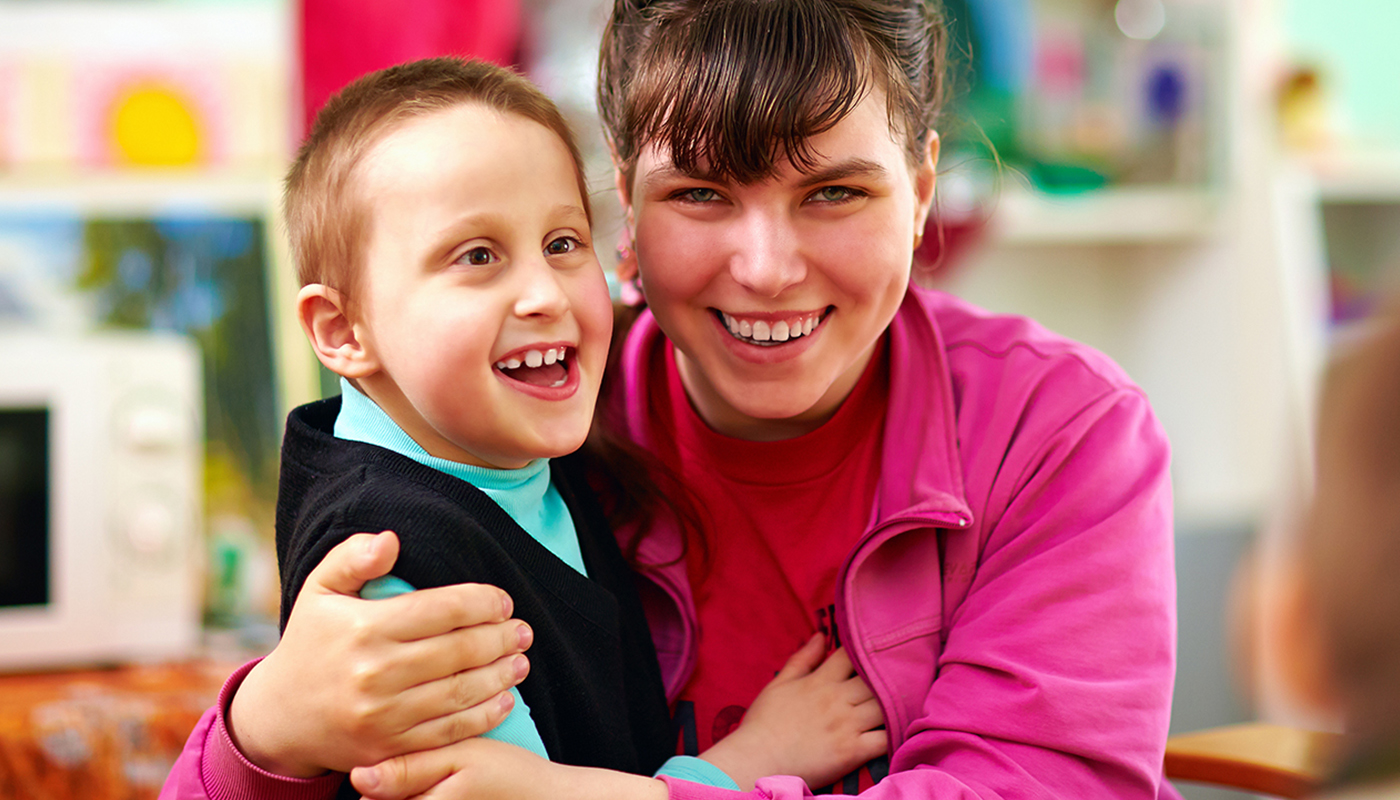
[765,257]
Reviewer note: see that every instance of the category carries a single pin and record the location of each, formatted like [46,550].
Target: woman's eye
[836,194]
[699,194]
[562,246]
[477,257]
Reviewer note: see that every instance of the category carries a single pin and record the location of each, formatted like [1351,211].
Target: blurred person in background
[1337,627]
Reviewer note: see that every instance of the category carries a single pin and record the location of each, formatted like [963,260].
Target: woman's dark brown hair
[738,86]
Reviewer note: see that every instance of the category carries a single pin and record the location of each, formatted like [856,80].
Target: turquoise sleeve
[696,770]
[518,728]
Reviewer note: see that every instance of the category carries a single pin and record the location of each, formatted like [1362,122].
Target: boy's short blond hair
[326,219]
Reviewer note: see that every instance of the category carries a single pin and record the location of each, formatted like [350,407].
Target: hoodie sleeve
[211,768]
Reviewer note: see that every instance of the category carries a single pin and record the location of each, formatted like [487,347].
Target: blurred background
[1207,190]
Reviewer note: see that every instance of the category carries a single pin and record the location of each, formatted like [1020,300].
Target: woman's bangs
[732,94]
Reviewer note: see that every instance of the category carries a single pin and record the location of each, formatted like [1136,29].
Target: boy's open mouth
[538,367]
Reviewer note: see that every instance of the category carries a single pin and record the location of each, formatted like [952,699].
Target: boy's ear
[336,339]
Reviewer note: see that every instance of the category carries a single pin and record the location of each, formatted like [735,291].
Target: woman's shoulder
[979,343]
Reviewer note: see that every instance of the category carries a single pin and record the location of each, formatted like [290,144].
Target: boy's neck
[383,392]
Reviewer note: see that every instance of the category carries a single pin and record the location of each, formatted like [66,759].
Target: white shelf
[1372,177]
[146,193]
[1119,215]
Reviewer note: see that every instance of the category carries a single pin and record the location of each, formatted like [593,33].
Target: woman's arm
[356,681]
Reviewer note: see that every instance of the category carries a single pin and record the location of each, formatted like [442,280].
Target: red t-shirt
[780,518]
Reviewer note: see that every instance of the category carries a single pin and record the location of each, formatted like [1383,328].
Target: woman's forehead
[863,142]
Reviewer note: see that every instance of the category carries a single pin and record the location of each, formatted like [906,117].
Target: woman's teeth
[763,331]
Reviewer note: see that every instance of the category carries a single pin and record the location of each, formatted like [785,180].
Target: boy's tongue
[546,375]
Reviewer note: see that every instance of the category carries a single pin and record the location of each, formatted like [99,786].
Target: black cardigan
[594,687]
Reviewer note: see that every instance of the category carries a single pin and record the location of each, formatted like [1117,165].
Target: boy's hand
[485,769]
[356,681]
[816,719]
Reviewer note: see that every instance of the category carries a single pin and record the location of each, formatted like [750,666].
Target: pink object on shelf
[344,39]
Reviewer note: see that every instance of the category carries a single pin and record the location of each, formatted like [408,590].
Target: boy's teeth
[534,358]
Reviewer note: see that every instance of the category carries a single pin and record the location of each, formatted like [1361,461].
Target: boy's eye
[477,257]
[562,245]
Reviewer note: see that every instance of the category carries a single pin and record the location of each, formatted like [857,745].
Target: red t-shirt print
[781,519]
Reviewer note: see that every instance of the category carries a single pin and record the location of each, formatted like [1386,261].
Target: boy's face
[480,257]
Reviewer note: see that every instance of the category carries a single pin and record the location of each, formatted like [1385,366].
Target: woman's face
[775,293]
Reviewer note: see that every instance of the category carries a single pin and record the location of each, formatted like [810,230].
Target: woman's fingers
[354,562]
[483,654]
[435,611]
[458,706]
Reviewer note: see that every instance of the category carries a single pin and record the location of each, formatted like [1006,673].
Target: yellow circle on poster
[153,126]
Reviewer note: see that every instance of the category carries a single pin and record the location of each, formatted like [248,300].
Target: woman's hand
[357,681]
[816,719]
[485,769]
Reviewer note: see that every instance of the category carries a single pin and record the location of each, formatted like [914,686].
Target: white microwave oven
[101,449]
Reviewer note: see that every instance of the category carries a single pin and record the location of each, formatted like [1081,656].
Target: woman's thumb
[355,561]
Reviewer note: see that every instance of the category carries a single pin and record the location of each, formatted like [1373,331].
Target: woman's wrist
[252,731]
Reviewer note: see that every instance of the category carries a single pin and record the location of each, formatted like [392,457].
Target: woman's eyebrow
[850,168]
[671,172]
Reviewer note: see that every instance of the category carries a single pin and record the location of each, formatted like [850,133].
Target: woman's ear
[925,176]
[334,337]
[626,256]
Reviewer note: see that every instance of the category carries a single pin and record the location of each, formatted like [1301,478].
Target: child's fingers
[806,659]
[405,776]
[868,716]
[837,666]
[872,744]
[855,691]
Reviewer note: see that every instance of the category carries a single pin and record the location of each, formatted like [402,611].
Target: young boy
[440,222]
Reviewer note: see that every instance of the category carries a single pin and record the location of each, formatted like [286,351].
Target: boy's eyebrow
[849,168]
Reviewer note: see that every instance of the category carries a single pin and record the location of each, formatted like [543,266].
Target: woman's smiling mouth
[772,329]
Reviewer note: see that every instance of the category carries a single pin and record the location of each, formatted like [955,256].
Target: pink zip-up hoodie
[1012,602]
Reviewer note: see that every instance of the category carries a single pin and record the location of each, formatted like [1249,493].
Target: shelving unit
[1119,215]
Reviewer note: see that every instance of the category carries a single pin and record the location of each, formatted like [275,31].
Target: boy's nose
[541,293]
[765,257]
